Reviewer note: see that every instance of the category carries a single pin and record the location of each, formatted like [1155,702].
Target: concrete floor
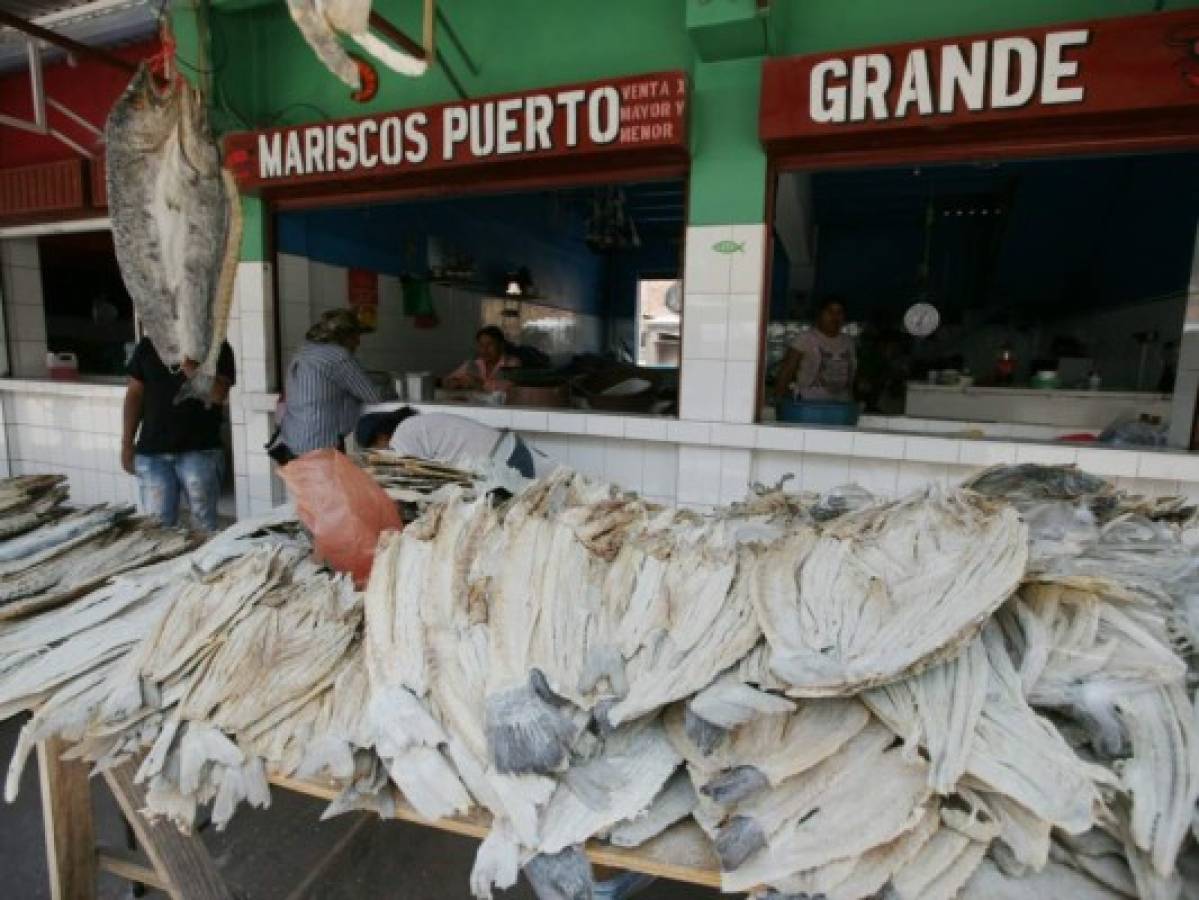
[282,853]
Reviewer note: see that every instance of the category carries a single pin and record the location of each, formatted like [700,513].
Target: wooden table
[180,865]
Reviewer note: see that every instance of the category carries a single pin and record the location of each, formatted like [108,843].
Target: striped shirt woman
[326,387]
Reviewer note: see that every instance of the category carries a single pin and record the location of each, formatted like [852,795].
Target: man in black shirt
[178,445]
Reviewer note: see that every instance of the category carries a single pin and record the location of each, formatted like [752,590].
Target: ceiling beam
[66,43]
[72,14]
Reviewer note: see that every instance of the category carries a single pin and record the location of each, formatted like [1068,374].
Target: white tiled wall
[703,464]
[307,288]
[25,314]
[251,404]
[722,322]
[77,436]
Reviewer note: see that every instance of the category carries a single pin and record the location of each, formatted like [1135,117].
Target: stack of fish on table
[978,692]
[51,552]
[412,479]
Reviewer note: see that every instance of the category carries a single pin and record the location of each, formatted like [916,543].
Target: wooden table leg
[67,819]
[181,860]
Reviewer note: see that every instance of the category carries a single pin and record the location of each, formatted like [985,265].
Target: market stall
[537,214]
[1005,221]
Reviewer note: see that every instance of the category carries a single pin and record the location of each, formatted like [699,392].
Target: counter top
[927,447]
[91,388]
[1049,393]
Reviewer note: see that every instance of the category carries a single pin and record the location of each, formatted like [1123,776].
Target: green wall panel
[264,74]
[253,235]
[814,26]
[267,74]
[728,165]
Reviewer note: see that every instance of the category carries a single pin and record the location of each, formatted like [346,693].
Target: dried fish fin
[497,864]
[674,803]
[729,702]
[565,875]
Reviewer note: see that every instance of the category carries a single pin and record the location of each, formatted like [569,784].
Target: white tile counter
[71,427]
[1093,410]
[706,463]
[44,387]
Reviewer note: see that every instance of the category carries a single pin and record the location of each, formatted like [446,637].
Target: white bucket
[419,386]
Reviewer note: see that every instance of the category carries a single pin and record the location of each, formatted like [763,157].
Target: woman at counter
[821,362]
[483,372]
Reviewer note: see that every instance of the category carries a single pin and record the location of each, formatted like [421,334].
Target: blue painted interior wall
[1078,235]
[501,233]
[659,256]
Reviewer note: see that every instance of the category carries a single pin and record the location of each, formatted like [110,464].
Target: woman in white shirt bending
[453,440]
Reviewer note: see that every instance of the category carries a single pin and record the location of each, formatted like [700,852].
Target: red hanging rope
[162,63]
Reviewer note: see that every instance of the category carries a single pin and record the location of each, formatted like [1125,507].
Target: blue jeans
[161,477]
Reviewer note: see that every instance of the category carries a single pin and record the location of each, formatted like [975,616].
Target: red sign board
[362,293]
[608,118]
[1143,69]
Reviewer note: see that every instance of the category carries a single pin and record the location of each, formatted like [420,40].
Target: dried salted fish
[406,735]
[176,223]
[939,869]
[769,749]
[37,512]
[940,708]
[1042,743]
[89,563]
[526,732]
[865,795]
[674,802]
[19,493]
[888,591]
[35,547]
[1055,880]
[618,782]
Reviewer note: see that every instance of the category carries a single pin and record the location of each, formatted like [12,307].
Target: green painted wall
[264,74]
[253,235]
[728,166]
[814,26]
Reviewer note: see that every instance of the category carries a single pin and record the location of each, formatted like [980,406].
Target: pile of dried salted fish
[412,479]
[28,501]
[50,554]
[980,692]
[205,666]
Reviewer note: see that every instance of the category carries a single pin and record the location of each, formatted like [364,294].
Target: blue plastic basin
[818,412]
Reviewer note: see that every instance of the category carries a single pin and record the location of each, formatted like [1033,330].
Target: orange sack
[343,507]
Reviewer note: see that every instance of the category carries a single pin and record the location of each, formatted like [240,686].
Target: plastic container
[62,366]
[818,412]
[419,386]
[556,396]
[1045,380]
